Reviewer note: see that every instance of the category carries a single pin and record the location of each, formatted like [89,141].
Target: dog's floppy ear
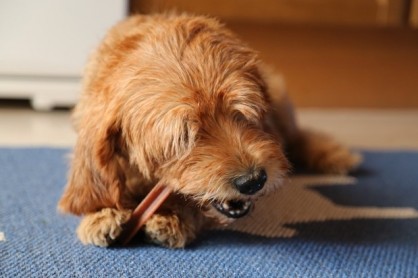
[95,177]
[281,116]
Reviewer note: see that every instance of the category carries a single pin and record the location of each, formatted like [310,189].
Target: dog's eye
[185,134]
[239,117]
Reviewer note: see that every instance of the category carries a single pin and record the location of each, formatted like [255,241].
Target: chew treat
[144,211]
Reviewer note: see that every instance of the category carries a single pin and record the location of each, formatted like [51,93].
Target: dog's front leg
[174,229]
[103,227]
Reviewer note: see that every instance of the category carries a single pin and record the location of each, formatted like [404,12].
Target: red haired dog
[181,100]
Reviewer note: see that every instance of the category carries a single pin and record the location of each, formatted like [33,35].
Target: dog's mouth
[233,208]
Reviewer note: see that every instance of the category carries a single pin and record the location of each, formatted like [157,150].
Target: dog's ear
[95,178]
[281,117]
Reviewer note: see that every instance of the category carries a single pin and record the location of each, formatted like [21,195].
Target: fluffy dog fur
[180,99]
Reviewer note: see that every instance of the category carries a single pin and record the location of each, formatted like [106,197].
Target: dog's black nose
[251,183]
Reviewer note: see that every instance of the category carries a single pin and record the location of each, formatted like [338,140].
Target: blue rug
[35,241]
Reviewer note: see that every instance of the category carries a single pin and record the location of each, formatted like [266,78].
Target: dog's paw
[102,228]
[165,230]
[339,161]
[323,154]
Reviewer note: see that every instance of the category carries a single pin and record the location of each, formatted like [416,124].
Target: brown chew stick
[144,211]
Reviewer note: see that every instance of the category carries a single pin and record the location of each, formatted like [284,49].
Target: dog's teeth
[233,208]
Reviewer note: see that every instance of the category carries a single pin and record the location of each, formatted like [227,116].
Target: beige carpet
[297,203]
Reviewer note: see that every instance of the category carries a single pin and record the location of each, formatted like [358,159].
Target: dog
[180,99]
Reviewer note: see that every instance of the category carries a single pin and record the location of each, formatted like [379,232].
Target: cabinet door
[413,20]
[52,37]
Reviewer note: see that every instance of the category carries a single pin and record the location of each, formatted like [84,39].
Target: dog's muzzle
[248,184]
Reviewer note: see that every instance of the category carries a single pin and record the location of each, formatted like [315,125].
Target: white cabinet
[44,46]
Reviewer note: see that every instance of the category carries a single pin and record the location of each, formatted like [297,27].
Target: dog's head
[195,115]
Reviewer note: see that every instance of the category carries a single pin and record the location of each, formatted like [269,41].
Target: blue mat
[37,242]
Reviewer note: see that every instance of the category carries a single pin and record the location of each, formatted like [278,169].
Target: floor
[371,129]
